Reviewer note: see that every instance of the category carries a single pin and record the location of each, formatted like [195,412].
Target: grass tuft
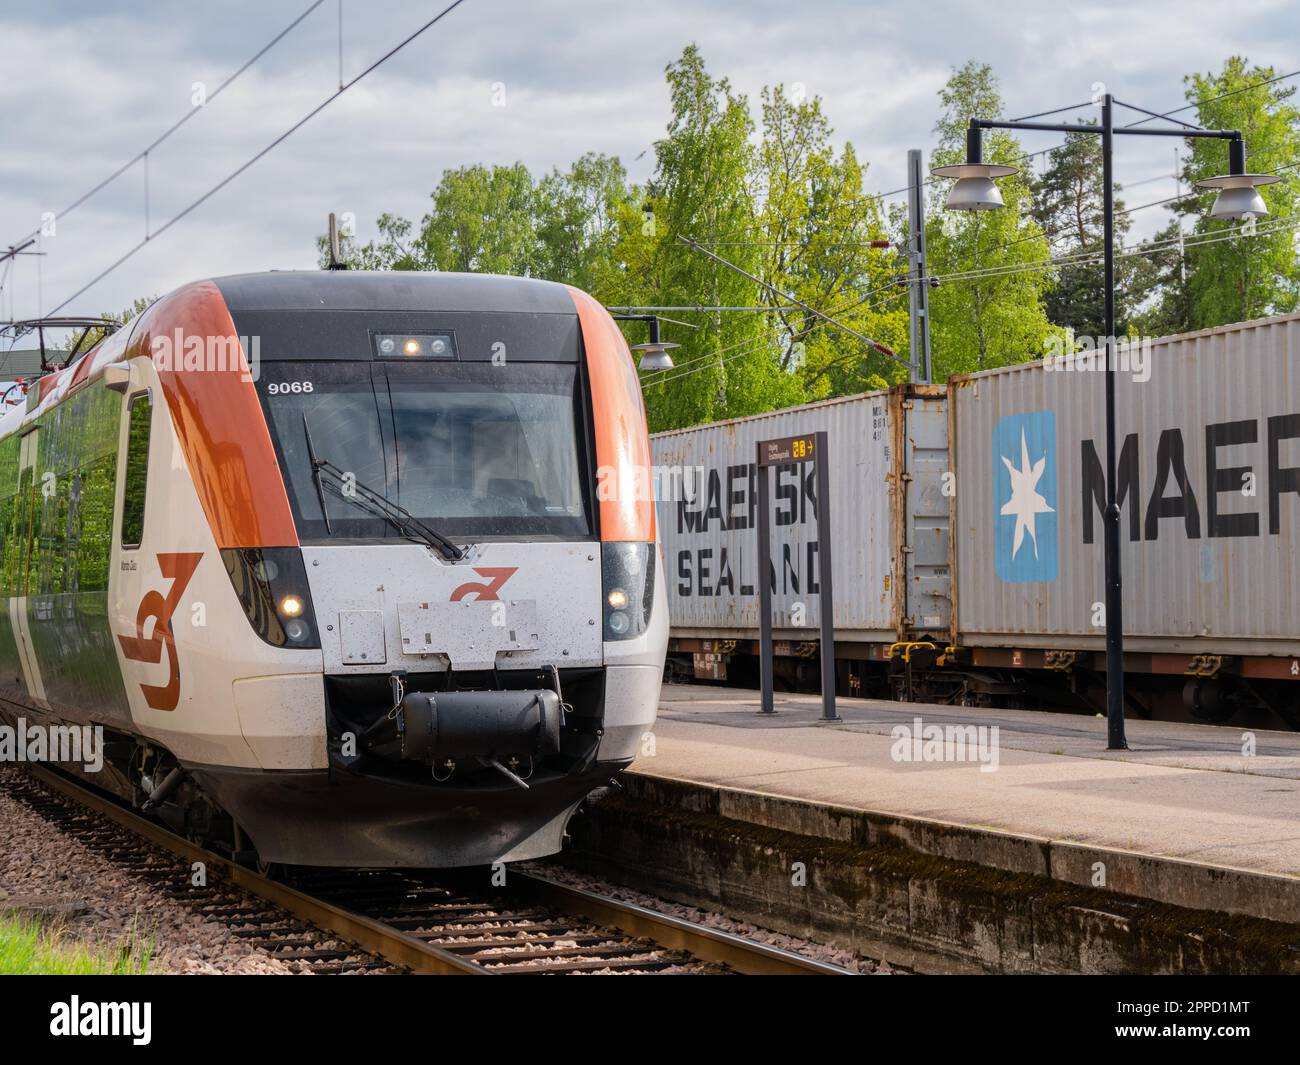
[29,949]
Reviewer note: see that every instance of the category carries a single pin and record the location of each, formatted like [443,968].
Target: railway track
[333,922]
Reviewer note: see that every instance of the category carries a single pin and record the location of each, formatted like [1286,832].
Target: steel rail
[370,935]
[745,956]
[675,933]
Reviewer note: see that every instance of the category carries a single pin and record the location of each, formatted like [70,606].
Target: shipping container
[887,454]
[1208,444]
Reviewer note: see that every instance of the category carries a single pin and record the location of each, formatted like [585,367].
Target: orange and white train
[352,569]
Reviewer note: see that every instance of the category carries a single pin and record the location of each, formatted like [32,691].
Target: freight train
[324,554]
[967,545]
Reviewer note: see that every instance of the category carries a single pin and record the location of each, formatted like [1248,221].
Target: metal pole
[1115,740]
[919,288]
[766,700]
[824,568]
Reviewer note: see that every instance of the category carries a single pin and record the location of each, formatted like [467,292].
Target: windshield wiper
[368,499]
[315,476]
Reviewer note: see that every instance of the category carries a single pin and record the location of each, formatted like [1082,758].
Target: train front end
[466,463]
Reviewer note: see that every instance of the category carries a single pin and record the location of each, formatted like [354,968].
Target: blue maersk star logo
[1025,501]
[1024,482]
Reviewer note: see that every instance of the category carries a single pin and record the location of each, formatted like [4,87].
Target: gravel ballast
[47,874]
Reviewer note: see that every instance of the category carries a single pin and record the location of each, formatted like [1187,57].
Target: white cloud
[84,91]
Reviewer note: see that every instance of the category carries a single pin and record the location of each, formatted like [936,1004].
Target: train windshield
[471,449]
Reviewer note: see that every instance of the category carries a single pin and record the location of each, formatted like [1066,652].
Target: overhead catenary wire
[883,349]
[1082,258]
[1056,148]
[711,359]
[143,154]
[253,159]
[1048,234]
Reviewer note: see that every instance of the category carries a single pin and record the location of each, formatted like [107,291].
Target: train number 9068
[284,388]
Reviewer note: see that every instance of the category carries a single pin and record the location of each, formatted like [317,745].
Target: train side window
[139,413]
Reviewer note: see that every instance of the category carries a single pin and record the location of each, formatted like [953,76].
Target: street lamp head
[1237,196]
[974,189]
[654,356]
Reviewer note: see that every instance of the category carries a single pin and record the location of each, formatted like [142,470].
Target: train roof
[398,290]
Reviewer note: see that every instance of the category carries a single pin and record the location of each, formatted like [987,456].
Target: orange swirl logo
[178,568]
[496,577]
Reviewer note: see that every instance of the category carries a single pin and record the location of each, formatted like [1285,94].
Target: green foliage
[1069,207]
[577,220]
[819,223]
[1247,276]
[82,340]
[986,320]
[771,193]
[58,538]
[702,190]
[28,950]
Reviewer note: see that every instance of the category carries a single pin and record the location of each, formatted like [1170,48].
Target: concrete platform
[1187,816]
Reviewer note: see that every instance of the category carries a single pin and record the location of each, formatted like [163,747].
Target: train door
[25,528]
[129,581]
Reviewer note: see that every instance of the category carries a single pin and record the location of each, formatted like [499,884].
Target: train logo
[488,589]
[177,567]
[1024,481]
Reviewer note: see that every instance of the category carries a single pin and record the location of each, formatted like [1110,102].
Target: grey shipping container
[1209,485]
[889,515]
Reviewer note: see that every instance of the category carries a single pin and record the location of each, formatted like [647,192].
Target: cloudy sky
[87,85]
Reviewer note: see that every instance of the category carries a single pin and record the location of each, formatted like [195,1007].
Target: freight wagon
[1208,439]
[967,534]
[887,464]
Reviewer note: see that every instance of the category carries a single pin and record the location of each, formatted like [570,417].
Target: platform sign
[788,449]
[810,447]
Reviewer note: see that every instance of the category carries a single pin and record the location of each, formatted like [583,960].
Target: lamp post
[974,190]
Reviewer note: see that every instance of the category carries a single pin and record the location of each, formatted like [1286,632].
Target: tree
[95,334]
[481,222]
[576,218]
[818,225]
[1068,204]
[1252,274]
[702,189]
[994,315]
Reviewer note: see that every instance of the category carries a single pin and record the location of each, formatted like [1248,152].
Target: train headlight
[628,581]
[271,584]
[414,345]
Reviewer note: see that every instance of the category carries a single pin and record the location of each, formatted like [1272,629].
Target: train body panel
[182,637]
